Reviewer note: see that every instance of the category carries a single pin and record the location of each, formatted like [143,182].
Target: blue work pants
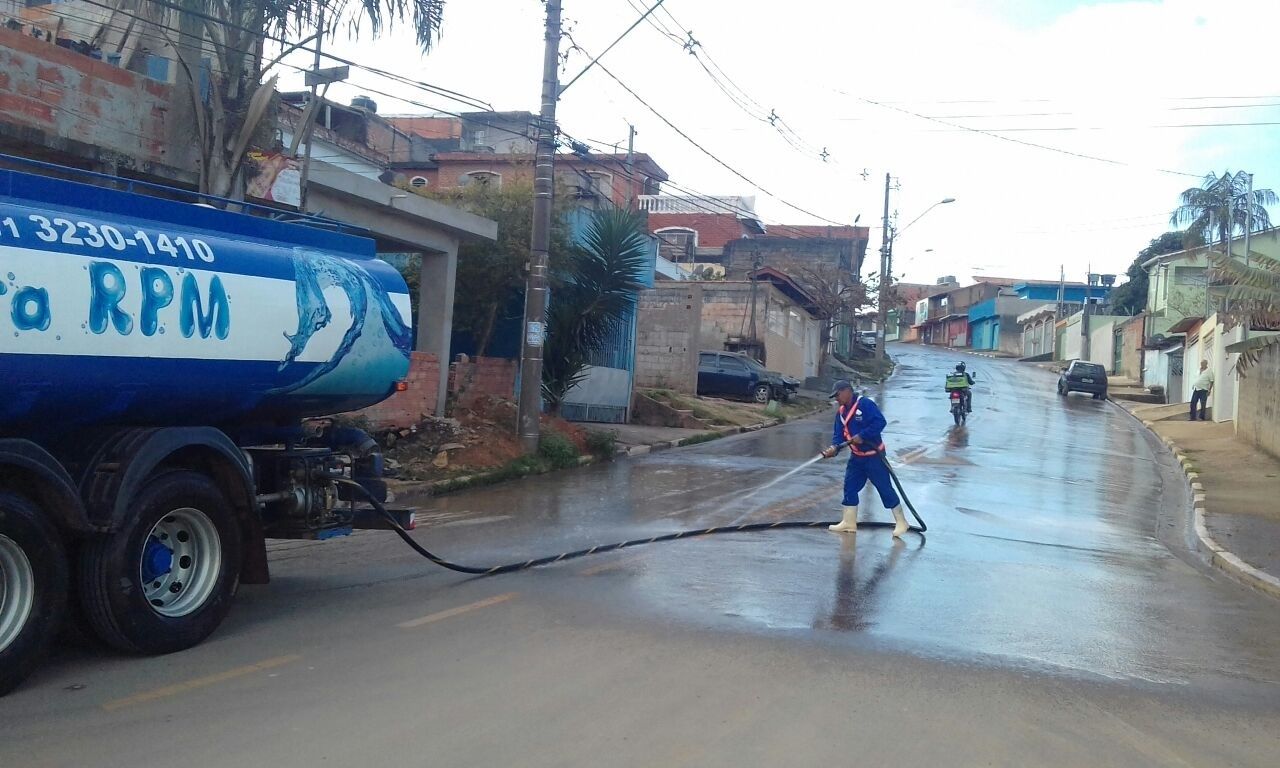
[863,468]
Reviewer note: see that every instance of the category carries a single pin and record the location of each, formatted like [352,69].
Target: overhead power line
[1010,139]
[703,201]
[457,96]
[736,94]
[703,149]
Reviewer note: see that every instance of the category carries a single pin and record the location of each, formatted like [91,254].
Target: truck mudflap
[124,464]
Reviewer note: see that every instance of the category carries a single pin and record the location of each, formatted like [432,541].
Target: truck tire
[166,579]
[33,587]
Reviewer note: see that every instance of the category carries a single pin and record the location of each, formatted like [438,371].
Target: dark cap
[840,384]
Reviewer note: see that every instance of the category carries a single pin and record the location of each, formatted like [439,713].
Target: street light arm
[926,210]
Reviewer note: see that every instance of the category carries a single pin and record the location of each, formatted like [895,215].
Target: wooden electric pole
[535,296]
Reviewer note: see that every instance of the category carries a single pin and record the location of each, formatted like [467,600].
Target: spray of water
[789,474]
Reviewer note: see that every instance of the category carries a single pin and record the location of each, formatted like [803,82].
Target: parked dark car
[1080,376]
[732,374]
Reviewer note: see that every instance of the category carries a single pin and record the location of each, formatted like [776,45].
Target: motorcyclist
[963,381]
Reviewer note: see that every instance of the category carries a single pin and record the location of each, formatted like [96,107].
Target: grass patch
[525,466]
[698,439]
[602,444]
[557,451]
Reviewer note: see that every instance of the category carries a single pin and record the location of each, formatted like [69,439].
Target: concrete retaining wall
[668,337]
[1259,403]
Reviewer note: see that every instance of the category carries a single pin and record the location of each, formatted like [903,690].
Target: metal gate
[1173,389]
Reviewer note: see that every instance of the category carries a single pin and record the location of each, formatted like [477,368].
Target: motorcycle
[958,409]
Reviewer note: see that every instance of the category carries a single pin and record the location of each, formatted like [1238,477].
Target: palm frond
[1252,352]
[591,296]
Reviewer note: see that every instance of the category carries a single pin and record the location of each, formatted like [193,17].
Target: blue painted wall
[1048,292]
[984,334]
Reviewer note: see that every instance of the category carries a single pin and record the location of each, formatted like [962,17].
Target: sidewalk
[1236,489]
[637,439]
[631,440]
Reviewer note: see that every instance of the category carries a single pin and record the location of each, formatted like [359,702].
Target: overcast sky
[1117,81]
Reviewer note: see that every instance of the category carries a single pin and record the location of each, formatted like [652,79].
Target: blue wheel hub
[157,560]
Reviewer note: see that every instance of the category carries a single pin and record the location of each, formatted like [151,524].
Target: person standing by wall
[1201,389]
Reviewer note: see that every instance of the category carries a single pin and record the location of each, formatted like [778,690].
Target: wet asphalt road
[1053,616]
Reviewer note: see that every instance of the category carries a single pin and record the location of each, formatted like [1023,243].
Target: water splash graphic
[376,344]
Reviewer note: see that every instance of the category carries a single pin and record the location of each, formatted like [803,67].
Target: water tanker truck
[158,360]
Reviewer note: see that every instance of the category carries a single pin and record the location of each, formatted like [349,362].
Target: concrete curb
[709,436]
[438,488]
[983,354]
[1221,558]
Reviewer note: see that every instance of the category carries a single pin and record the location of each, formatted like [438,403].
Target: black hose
[520,566]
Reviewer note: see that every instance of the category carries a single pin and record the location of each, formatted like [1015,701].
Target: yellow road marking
[431,618]
[199,682]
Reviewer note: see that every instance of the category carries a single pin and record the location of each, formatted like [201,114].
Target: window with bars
[677,244]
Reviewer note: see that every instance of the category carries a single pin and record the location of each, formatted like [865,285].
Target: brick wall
[791,255]
[1131,355]
[714,230]
[405,408]
[484,376]
[72,97]
[1258,420]
[668,337]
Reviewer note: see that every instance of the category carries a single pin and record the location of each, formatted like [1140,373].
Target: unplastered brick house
[770,317]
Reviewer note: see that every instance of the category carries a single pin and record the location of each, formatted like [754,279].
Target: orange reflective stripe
[846,418]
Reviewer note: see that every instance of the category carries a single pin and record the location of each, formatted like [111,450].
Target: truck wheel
[33,587]
[165,580]
[761,393]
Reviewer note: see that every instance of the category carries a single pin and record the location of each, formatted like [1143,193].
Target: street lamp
[943,201]
[886,272]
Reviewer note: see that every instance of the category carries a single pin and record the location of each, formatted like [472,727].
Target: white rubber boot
[900,521]
[848,523]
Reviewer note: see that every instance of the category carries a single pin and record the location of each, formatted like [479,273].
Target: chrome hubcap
[180,562]
[17,590]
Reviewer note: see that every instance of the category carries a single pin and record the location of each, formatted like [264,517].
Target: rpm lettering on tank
[205,314]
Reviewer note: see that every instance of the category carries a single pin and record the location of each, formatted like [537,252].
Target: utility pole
[882,312]
[631,151]
[313,109]
[535,294]
[1248,219]
[1062,288]
[1084,314]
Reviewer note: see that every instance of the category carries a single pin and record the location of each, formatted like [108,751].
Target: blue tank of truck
[119,308]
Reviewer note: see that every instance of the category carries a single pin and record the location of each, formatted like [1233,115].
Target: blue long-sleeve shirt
[866,423]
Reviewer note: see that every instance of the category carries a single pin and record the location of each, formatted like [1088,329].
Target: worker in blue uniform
[859,423]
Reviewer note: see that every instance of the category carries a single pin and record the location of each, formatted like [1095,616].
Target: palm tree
[1215,212]
[1253,296]
[231,98]
[1220,208]
[590,297]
